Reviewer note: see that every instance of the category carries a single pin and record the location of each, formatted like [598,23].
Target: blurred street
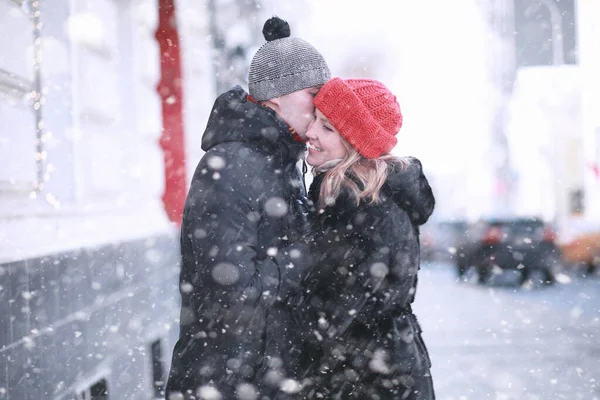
[505,342]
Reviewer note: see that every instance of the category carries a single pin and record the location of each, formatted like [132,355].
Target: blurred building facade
[92,182]
[500,63]
[588,32]
[539,114]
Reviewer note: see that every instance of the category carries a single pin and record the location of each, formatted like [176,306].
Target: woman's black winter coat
[360,335]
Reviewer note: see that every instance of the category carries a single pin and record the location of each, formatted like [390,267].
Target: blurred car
[583,249]
[443,240]
[580,243]
[510,243]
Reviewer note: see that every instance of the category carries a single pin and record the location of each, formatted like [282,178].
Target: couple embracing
[295,294]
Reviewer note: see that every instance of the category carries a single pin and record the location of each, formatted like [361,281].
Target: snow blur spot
[318,336]
[213,251]
[576,312]
[253,216]
[120,270]
[225,274]
[562,278]
[295,253]
[379,270]
[216,176]
[270,132]
[216,162]
[246,391]
[378,364]
[78,334]
[352,312]
[186,287]
[28,343]
[27,295]
[527,240]
[135,324]
[200,233]
[452,250]
[290,386]
[154,256]
[207,392]
[176,396]
[272,251]
[273,377]
[234,364]
[351,375]
[276,207]
[323,323]
[207,370]
[275,363]
[86,27]
[81,315]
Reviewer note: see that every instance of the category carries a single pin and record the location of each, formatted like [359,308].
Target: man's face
[297,109]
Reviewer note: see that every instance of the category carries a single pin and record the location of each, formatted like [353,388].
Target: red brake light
[493,235]
[549,235]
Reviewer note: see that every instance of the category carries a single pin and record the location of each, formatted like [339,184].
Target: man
[245,204]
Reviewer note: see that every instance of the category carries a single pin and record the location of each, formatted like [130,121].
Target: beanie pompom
[276,28]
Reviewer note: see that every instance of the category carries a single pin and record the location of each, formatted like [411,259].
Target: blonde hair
[362,176]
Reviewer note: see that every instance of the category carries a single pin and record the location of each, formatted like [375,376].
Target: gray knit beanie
[284,64]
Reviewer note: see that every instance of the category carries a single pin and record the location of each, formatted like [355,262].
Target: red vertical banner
[170,90]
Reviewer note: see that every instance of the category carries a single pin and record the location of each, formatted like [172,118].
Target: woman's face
[325,142]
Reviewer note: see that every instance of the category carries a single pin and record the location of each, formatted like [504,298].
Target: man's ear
[273,104]
[276,101]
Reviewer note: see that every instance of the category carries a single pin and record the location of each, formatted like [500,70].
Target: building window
[158,369]
[98,391]
[577,201]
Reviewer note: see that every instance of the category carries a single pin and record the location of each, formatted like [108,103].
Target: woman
[366,342]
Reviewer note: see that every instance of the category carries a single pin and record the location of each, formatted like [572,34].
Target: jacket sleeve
[224,213]
[376,272]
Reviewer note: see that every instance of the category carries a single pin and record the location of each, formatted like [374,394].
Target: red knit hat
[364,112]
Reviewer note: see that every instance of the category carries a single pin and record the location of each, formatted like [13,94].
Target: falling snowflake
[225,274]
[379,270]
[276,207]
[207,392]
[246,391]
[290,386]
[216,162]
